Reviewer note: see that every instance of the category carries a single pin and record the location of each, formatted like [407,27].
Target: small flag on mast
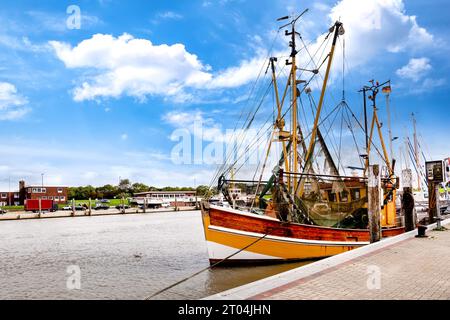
[386,89]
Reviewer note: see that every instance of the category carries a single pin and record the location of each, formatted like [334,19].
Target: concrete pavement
[403,268]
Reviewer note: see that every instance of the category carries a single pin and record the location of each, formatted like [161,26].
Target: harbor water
[115,257]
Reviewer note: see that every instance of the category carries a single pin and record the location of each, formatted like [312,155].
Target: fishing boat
[302,211]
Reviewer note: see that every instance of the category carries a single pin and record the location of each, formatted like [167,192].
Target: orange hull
[264,239]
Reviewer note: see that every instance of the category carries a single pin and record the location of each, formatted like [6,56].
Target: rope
[205,269]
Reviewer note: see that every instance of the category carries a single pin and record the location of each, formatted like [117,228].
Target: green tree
[139,187]
[108,191]
[124,185]
[202,190]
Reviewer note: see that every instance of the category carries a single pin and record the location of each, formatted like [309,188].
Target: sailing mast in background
[416,153]
[387,91]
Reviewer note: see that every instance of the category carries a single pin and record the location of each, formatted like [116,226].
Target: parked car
[3,211]
[67,207]
[101,206]
[120,207]
[104,201]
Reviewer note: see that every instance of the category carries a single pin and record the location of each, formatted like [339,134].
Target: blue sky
[90,105]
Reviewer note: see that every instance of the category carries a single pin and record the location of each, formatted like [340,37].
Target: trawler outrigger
[299,213]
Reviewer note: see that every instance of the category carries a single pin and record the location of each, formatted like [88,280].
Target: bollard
[408,200]
[73,207]
[90,207]
[421,229]
[374,203]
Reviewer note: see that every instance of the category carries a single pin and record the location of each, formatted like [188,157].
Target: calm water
[120,257]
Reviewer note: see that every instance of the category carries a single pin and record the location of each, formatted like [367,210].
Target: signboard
[435,171]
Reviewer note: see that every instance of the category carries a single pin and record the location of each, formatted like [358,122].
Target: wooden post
[73,207]
[438,209]
[408,200]
[40,207]
[123,205]
[145,204]
[432,201]
[90,206]
[374,203]
[196,201]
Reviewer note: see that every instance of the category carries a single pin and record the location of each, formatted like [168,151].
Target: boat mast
[293,81]
[374,89]
[389,123]
[338,30]
[416,152]
[293,165]
[279,123]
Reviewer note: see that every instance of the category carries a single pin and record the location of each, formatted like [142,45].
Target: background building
[173,198]
[58,194]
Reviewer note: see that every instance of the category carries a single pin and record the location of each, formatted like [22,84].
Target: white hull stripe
[293,240]
[219,251]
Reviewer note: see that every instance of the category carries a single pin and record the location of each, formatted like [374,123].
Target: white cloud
[124,137]
[237,76]
[134,67]
[12,104]
[415,70]
[427,85]
[377,26]
[126,66]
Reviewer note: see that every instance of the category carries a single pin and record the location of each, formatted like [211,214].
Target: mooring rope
[205,269]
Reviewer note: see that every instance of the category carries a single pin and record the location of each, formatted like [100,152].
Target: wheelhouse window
[331,196]
[343,196]
[356,195]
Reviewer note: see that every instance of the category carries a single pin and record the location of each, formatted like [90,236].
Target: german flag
[386,89]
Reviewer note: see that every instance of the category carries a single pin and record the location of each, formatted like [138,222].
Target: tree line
[124,189]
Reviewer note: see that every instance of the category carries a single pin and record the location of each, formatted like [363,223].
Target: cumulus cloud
[129,66]
[12,104]
[377,26]
[415,70]
[237,76]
